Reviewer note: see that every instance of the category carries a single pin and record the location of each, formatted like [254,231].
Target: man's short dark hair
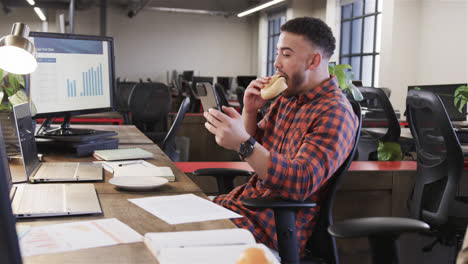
[314,30]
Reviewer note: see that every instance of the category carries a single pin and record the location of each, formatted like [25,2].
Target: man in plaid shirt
[303,139]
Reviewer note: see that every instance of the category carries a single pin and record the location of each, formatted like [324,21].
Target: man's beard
[297,79]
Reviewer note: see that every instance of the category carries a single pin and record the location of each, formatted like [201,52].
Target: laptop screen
[25,130]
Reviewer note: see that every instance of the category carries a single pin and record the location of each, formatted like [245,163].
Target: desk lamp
[17,53]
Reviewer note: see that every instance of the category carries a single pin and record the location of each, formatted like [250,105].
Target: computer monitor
[225,82]
[446,94]
[244,81]
[75,75]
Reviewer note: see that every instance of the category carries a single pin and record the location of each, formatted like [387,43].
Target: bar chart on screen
[91,83]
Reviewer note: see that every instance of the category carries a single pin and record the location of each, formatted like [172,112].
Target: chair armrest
[276,203]
[376,226]
[222,172]
[224,177]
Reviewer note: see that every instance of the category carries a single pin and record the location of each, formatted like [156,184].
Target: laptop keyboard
[44,198]
[58,170]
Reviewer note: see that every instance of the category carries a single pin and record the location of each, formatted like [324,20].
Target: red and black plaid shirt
[308,136]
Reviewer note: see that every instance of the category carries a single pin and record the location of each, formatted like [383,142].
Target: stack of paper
[78,235]
[138,168]
[184,208]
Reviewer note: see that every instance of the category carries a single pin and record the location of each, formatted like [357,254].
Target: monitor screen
[75,74]
[225,82]
[446,92]
[244,81]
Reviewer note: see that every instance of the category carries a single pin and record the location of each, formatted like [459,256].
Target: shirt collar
[319,90]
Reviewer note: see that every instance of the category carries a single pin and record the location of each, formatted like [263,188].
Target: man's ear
[314,61]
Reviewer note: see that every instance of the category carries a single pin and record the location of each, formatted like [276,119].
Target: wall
[151,43]
[423,42]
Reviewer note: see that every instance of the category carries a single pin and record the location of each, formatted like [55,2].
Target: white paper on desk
[137,168]
[77,235]
[184,208]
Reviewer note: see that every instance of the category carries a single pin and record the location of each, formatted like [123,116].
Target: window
[274,24]
[360,39]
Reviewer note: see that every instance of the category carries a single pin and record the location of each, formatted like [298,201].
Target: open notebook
[203,247]
[122,154]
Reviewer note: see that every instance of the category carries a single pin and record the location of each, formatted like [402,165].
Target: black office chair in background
[122,93]
[434,199]
[380,111]
[240,96]
[149,105]
[169,144]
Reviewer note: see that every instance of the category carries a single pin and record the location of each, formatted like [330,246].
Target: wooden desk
[115,204]
[118,206]
[462,257]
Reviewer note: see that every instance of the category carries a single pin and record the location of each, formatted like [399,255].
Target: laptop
[37,171]
[43,200]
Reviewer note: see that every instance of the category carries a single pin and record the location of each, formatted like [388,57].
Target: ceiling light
[260,7]
[40,14]
[31,2]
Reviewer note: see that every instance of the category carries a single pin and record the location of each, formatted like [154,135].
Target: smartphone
[208,96]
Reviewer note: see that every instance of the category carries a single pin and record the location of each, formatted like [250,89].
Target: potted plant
[12,93]
[386,150]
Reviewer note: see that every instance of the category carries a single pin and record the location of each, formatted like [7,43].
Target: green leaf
[331,70]
[340,75]
[4,107]
[1,73]
[341,67]
[417,88]
[13,80]
[389,151]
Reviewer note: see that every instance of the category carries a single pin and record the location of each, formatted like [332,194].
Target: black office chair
[122,93]
[379,107]
[169,144]
[240,96]
[434,199]
[222,97]
[149,105]
[321,246]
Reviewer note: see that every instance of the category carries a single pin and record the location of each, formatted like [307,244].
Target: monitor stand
[65,133]
[65,129]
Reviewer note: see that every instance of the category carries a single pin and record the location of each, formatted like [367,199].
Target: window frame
[272,33]
[361,54]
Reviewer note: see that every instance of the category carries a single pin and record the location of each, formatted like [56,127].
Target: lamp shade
[17,53]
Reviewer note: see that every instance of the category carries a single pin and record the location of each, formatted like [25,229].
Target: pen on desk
[129,163]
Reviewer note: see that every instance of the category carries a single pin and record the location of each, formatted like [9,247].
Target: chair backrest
[377,101]
[439,158]
[240,96]
[169,143]
[149,105]
[222,98]
[321,244]
[122,94]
